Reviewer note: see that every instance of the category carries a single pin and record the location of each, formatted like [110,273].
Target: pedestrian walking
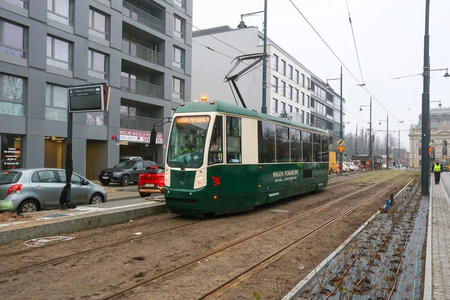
[437,169]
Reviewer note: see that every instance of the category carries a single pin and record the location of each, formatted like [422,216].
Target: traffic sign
[341,143]
[341,149]
[430,149]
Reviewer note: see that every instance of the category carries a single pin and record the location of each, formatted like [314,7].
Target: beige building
[439,135]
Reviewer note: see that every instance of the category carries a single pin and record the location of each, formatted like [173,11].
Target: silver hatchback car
[29,190]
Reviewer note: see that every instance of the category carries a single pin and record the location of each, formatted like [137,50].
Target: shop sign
[138,136]
[11,158]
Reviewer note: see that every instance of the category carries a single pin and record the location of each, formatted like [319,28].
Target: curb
[81,222]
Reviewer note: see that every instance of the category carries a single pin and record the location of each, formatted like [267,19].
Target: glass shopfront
[11,151]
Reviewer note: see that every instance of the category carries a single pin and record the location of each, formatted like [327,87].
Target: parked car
[351,166]
[151,181]
[30,190]
[345,167]
[125,172]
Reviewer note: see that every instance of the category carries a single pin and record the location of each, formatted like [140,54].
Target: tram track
[163,273]
[271,257]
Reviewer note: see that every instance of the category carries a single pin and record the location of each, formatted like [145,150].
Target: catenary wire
[354,42]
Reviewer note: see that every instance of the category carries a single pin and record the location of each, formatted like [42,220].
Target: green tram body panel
[232,188]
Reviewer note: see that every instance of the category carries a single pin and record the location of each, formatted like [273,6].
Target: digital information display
[192,120]
[88,98]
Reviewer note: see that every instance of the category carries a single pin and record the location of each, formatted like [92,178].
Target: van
[333,165]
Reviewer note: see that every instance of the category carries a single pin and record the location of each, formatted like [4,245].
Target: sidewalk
[437,266]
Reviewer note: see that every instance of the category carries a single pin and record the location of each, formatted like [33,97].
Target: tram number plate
[105,177]
[149,185]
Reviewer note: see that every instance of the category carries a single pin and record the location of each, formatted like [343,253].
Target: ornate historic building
[439,134]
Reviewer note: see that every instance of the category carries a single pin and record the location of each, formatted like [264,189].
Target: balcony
[137,123]
[141,88]
[142,52]
[143,17]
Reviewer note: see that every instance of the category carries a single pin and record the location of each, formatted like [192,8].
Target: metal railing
[141,88]
[143,17]
[142,52]
[135,122]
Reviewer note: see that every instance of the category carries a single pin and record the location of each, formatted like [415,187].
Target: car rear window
[154,170]
[8,177]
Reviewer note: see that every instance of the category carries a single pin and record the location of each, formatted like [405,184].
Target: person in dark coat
[437,169]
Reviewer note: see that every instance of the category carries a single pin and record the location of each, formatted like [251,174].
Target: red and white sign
[138,136]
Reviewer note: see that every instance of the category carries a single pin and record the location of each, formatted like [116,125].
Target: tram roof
[224,107]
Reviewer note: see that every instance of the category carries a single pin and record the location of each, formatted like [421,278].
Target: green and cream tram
[222,158]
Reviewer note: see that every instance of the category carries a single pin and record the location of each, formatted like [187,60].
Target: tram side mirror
[153,137]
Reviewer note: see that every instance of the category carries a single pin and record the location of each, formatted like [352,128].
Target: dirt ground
[97,263]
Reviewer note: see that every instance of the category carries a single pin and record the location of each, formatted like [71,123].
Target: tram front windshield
[187,141]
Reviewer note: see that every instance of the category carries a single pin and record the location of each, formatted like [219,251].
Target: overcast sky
[389,38]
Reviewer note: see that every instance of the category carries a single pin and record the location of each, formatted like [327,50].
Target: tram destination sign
[89,98]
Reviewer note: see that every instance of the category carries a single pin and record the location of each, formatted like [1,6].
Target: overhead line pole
[264,80]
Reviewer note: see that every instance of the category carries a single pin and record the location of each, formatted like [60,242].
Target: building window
[296,110]
[178,57]
[179,26]
[11,151]
[296,76]
[177,88]
[283,107]
[58,53]
[56,103]
[302,117]
[296,95]
[274,106]
[12,95]
[275,62]
[20,3]
[97,24]
[303,99]
[283,67]
[96,64]
[289,92]
[275,84]
[290,108]
[307,101]
[180,3]
[303,80]
[283,88]
[289,74]
[95,118]
[60,11]
[12,39]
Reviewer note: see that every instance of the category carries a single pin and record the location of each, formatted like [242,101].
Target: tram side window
[233,129]
[325,148]
[282,143]
[215,148]
[266,142]
[296,145]
[307,146]
[317,154]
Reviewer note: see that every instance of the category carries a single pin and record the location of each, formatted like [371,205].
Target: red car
[151,181]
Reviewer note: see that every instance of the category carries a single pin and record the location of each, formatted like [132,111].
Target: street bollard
[392,199]
[387,205]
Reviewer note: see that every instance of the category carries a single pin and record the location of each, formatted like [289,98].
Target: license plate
[105,177]
[149,185]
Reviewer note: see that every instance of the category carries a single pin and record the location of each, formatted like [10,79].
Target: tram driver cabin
[222,158]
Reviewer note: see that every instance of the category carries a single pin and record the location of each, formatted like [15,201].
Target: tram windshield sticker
[192,120]
[285,175]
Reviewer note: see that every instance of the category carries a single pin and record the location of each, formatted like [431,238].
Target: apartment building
[140,48]
[292,90]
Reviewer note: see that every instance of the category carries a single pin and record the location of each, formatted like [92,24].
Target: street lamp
[370,131]
[387,139]
[341,133]
[264,75]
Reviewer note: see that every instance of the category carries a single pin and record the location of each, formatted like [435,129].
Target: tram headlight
[167,177]
[200,179]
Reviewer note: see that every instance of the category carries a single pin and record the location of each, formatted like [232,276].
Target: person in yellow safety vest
[437,169]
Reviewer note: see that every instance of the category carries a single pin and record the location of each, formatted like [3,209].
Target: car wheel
[96,199]
[143,195]
[125,180]
[104,182]
[27,206]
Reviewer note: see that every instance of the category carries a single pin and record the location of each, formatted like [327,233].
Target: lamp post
[370,131]
[341,133]
[387,139]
